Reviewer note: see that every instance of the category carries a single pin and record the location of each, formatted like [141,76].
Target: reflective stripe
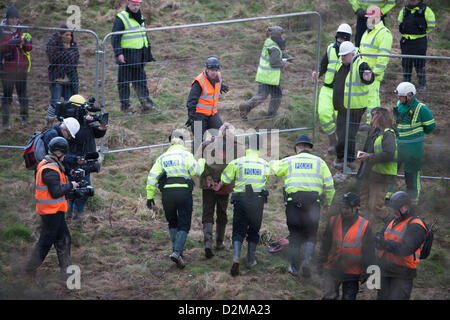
[331,70]
[329,187]
[41,188]
[268,68]
[304,184]
[357,94]
[133,37]
[255,189]
[205,107]
[226,176]
[62,199]
[380,66]
[358,237]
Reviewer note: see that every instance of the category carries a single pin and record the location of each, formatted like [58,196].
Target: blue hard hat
[304,138]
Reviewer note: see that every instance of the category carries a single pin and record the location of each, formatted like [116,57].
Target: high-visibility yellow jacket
[135,40]
[176,162]
[266,74]
[384,5]
[305,172]
[390,167]
[248,170]
[333,62]
[377,41]
[416,22]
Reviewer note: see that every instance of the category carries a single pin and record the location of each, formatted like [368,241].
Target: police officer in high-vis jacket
[307,180]
[173,172]
[250,174]
[415,21]
[132,52]
[52,187]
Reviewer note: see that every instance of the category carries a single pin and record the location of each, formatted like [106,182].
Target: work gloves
[191,118]
[224,88]
[150,203]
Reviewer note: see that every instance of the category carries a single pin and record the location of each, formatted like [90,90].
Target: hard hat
[398,200]
[373,11]
[72,125]
[344,28]
[212,63]
[275,31]
[404,88]
[304,138]
[77,100]
[58,144]
[346,47]
[138,1]
[351,199]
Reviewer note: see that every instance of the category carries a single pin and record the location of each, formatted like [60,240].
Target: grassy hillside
[124,253]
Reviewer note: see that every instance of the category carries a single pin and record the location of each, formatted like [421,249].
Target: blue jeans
[57,91]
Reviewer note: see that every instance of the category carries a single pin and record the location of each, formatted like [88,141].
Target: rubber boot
[251,251]
[220,236]
[294,251]
[244,109]
[173,234]
[64,259]
[332,142]
[236,258]
[308,251]
[208,239]
[180,240]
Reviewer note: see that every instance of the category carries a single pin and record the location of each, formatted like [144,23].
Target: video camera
[66,110]
[84,189]
[91,164]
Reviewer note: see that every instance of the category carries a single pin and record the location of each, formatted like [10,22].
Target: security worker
[347,250]
[377,39]
[415,21]
[362,77]
[360,7]
[306,180]
[414,119]
[203,99]
[250,174]
[132,52]
[172,172]
[328,66]
[271,62]
[400,244]
[52,187]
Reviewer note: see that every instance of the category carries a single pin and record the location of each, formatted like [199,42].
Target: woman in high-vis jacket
[52,187]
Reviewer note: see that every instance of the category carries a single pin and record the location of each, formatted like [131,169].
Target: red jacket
[13,56]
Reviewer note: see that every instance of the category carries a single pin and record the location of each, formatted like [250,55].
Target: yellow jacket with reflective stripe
[429,18]
[377,41]
[333,62]
[384,167]
[266,74]
[360,90]
[305,172]
[384,5]
[135,40]
[176,162]
[250,169]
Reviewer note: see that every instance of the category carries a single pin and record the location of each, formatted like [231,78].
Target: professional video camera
[66,110]
[84,189]
[91,164]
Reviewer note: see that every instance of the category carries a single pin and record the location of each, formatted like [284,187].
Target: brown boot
[243,111]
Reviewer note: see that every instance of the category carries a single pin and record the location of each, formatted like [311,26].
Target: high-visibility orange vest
[396,233]
[347,250]
[207,103]
[45,204]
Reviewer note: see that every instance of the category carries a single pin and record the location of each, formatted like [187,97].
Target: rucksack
[426,248]
[34,151]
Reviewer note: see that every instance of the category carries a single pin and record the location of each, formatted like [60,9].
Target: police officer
[132,52]
[328,66]
[306,179]
[203,99]
[400,244]
[250,174]
[415,21]
[52,187]
[346,249]
[172,172]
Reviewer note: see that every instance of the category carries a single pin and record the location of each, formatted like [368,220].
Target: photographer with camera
[52,187]
[83,147]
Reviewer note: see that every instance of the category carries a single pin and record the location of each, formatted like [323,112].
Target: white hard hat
[345,28]
[346,47]
[404,88]
[72,125]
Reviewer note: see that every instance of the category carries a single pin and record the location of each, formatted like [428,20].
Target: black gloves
[150,203]
[224,88]
[191,118]
[360,13]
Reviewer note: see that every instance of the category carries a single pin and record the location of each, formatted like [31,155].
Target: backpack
[34,151]
[426,248]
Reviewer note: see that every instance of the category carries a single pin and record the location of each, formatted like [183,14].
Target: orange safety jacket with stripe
[45,204]
[207,103]
[348,249]
[396,233]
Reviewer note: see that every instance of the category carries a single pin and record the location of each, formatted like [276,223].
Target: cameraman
[51,204]
[82,146]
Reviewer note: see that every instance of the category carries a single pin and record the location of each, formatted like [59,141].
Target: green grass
[17,232]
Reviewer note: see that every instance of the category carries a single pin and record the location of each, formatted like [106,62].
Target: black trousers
[247,219]
[54,232]
[394,288]
[177,204]
[302,222]
[11,80]
[355,120]
[414,47]
[135,75]
[331,288]
[205,123]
